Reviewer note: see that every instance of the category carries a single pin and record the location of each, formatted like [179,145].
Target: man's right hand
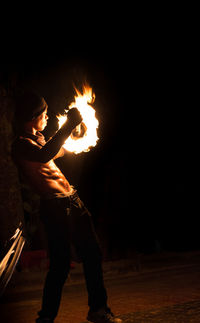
[73,118]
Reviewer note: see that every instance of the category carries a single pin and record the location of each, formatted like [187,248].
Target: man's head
[38,123]
[31,111]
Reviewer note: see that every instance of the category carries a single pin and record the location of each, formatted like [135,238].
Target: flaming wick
[84,136]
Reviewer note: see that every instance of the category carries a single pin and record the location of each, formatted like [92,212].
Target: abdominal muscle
[46,178]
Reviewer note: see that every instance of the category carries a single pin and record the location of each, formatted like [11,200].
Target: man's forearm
[53,145]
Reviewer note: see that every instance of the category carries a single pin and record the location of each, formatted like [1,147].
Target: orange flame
[84,136]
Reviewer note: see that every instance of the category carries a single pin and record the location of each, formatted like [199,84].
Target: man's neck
[31,130]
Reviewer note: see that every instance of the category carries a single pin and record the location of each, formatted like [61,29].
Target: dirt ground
[163,294]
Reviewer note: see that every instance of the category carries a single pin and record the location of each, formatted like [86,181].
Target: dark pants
[70,235]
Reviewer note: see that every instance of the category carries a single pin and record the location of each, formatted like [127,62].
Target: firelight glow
[84,136]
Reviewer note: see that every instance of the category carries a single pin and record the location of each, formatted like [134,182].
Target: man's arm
[60,153]
[27,150]
[52,147]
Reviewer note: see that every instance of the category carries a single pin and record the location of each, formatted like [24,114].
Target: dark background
[138,180]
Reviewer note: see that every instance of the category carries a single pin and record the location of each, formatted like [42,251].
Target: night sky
[138,174]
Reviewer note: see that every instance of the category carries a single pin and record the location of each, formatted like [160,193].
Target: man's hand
[73,119]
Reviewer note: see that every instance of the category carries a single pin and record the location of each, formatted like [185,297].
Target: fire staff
[67,222]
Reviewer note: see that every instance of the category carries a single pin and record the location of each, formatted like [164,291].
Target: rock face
[11,207]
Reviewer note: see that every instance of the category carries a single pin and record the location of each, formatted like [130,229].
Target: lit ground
[157,293]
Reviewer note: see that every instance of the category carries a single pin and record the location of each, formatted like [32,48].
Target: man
[66,220]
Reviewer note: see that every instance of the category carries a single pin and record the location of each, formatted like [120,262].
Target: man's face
[41,121]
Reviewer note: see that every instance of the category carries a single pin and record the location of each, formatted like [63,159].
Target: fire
[84,136]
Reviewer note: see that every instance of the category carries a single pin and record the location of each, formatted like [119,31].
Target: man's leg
[55,223]
[97,296]
[99,312]
[88,248]
[86,243]
[55,279]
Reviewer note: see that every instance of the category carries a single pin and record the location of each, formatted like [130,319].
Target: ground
[161,291]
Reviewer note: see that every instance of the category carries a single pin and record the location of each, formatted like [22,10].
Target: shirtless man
[67,221]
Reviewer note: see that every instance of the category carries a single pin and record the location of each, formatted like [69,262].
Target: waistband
[64,201]
[59,195]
